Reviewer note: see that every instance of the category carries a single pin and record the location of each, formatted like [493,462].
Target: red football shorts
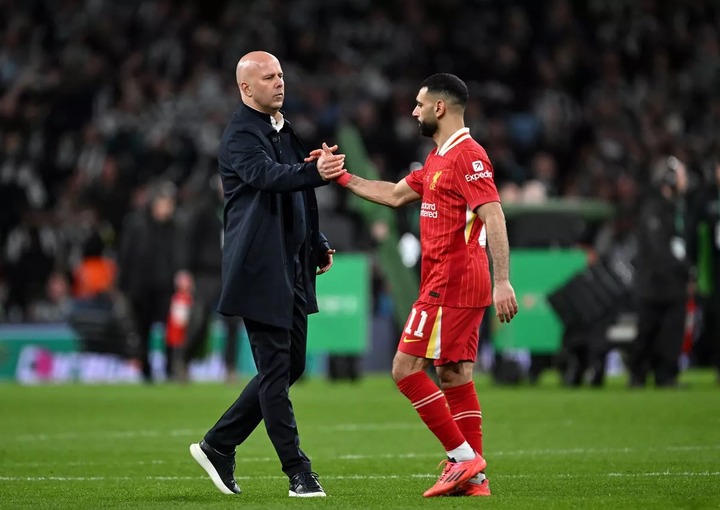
[442,333]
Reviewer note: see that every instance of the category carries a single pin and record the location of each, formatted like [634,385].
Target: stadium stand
[99,98]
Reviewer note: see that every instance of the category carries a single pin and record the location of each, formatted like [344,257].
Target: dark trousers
[280,360]
[585,352]
[708,342]
[657,347]
[232,327]
[150,307]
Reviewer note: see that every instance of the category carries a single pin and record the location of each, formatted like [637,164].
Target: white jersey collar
[457,137]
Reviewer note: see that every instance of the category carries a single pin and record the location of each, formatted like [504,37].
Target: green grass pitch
[92,447]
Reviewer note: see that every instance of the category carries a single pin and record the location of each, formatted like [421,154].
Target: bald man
[272,252]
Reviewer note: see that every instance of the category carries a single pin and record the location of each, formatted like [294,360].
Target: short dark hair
[447,85]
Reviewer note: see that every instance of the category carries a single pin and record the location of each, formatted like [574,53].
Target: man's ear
[440,108]
[245,88]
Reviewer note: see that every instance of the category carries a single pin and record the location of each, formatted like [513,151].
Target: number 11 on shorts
[421,325]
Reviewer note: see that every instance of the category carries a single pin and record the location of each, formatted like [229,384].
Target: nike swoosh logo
[409,340]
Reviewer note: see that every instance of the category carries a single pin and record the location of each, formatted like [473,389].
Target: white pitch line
[348,427]
[133,434]
[666,473]
[127,434]
[342,477]
[85,463]
[399,456]
[536,452]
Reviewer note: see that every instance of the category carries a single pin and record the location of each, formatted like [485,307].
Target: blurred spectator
[107,194]
[100,316]
[176,325]
[151,253]
[204,263]
[661,277]
[99,98]
[705,255]
[29,254]
[544,172]
[96,273]
[56,304]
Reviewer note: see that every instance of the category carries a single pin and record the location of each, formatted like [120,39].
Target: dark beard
[427,129]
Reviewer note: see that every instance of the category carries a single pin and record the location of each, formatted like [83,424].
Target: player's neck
[445,131]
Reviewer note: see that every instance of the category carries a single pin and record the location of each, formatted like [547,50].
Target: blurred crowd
[101,100]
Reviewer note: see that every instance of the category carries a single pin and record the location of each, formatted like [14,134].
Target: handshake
[331,166]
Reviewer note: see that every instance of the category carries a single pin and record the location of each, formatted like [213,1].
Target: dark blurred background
[576,103]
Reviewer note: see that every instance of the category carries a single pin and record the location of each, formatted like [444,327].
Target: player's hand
[315,153]
[326,262]
[506,306]
[330,165]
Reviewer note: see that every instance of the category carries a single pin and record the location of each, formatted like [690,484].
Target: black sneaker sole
[205,463]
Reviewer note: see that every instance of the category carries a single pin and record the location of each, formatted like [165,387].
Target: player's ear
[440,108]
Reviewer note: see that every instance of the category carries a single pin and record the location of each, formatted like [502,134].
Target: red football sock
[430,404]
[465,409]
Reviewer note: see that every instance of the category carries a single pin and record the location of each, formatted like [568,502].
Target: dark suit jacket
[257,267]
[659,274]
[149,255]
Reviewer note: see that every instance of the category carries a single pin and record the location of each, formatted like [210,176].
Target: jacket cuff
[313,175]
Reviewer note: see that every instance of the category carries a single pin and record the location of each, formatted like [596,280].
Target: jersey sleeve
[415,180]
[476,179]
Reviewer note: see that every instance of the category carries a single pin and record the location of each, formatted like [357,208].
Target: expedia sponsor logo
[428,210]
[478,166]
[487,174]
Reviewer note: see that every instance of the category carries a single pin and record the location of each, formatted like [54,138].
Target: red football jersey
[455,180]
